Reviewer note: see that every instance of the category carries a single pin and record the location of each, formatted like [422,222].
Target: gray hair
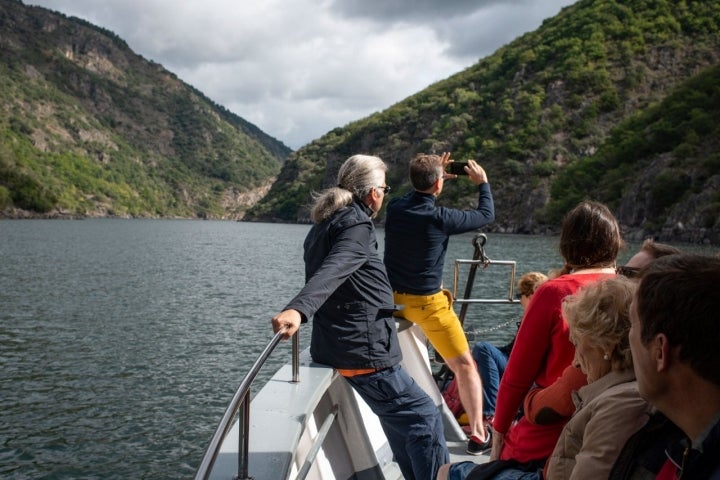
[357,176]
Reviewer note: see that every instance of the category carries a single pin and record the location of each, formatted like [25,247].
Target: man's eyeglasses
[385,189]
[629,272]
[519,295]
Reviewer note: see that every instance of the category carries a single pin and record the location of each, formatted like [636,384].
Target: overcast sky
[299,68]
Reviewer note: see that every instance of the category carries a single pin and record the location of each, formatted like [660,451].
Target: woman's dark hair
[590,237]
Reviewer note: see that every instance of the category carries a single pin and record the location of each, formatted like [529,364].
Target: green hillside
[541,111]
[665,158]
[89,128]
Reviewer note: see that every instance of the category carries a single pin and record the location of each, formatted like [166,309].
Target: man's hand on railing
[287,320]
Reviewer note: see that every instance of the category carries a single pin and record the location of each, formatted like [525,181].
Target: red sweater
[542,351]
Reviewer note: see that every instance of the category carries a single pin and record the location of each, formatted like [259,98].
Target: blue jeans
[460,471]
[410,419]
[491,364]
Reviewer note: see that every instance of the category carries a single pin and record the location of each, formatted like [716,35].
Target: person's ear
[663,352]
[377,194]
[370,197]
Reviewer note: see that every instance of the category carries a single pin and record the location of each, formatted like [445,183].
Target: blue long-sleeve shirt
[417,234]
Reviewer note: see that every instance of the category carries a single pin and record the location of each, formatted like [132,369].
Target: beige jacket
[608,411]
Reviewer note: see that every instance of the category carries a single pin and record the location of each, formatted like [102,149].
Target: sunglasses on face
[629,272]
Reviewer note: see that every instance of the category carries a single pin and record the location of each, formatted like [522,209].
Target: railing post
[244,438]
[296,357]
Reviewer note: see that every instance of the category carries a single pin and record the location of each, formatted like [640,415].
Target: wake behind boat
[307,422]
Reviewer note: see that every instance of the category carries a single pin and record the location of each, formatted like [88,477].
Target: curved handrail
[240,399]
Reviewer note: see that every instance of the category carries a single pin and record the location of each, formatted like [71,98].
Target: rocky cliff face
[89,128]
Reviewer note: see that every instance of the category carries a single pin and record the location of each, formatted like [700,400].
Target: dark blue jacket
[694,463]
[417,234]
[348,294]
[659,439]
[644,453]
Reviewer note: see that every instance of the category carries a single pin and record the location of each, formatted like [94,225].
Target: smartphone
[457,168]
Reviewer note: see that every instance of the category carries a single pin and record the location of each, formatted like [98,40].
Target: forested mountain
[609,100]
[89,128]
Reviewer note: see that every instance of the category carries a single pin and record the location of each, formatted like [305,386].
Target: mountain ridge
[92,129]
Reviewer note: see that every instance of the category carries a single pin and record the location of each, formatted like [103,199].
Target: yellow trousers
[435,315]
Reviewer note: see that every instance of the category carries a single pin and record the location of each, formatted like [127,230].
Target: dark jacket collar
[368,211]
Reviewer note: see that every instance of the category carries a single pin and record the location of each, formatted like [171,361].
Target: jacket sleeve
[347,254]
[552,404]
[461,221]
[528,355]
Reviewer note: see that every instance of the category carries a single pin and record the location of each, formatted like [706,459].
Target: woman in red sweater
[589,244]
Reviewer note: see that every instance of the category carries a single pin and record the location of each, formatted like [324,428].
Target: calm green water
[122,341]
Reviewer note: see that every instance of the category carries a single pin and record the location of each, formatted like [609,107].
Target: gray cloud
[426,11]
[299,69]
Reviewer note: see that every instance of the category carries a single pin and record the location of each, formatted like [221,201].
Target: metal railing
[240,405]
[473,263]
[480,258]
[317,444]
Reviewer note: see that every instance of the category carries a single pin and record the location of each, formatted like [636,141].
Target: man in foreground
[674,343]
